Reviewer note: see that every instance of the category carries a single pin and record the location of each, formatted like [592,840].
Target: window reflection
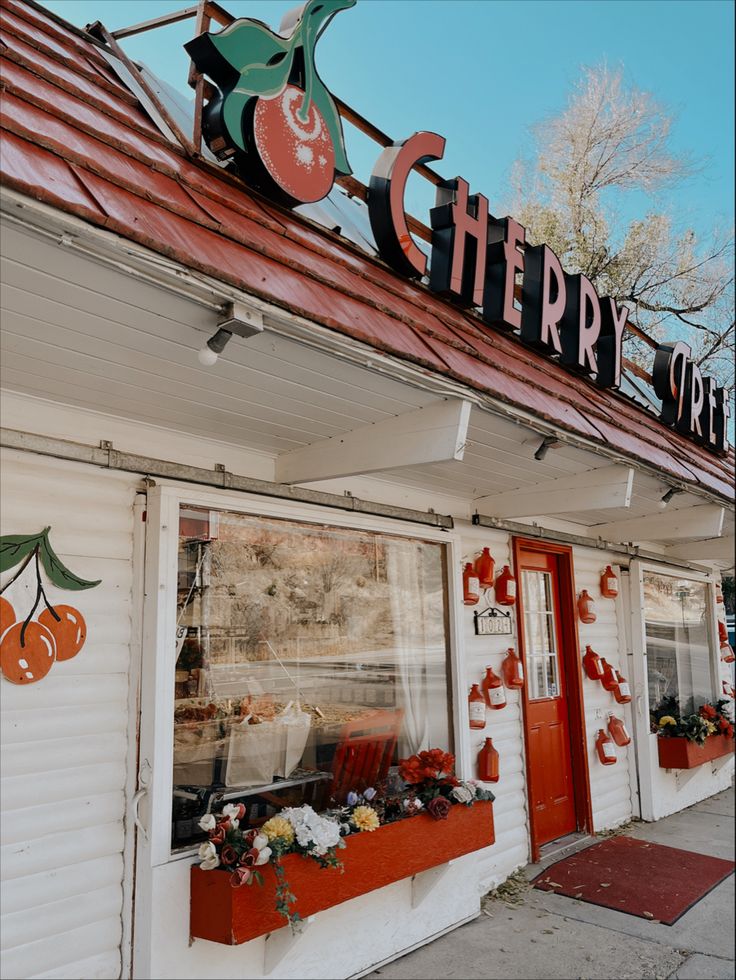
[309,659]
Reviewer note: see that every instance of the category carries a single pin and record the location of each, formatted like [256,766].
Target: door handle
[136,807]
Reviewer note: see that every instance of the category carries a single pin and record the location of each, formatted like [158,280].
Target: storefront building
[294,531]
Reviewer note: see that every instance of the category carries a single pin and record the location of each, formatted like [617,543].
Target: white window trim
[640,712]
[159,654]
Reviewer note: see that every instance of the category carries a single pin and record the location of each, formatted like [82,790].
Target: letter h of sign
[459,231]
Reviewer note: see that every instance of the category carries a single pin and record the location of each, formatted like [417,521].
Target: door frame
[571,664]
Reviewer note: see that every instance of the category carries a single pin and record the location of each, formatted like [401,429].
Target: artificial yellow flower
[666,720]
[365,818]
[711,727]
[278,827]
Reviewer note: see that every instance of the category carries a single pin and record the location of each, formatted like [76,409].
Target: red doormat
[635,876]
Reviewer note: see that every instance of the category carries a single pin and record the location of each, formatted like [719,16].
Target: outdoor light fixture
[549,442]
[668,496]
[237,319]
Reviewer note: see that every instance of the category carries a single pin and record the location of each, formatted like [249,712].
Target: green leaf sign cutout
[29,647]
[273,114]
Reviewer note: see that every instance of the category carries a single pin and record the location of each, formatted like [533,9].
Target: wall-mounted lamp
[549,442]
[237,319]
[669,495]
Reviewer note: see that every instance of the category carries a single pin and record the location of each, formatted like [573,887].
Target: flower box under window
[224,914]
[683,753]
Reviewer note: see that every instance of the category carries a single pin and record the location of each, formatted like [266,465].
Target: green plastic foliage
[15,548]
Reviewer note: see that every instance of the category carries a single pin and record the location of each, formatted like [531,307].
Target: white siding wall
[64,738]
[609,785]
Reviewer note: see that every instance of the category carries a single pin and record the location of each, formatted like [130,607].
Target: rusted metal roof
[76,138]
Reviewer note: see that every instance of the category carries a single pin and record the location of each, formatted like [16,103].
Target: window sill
[395,851]
[682,753]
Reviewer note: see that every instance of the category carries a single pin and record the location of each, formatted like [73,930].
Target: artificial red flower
[708,711]
[439,808]
[240,876]
[217,836]
[248,858]
[228,855]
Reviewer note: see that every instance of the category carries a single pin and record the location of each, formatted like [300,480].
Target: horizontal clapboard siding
[64,739]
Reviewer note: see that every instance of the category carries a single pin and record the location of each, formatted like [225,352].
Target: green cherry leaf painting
[17,548]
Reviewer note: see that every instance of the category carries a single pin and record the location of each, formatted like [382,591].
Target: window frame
[159,630]
[645,741]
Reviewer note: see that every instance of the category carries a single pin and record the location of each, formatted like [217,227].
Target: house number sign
[492,622]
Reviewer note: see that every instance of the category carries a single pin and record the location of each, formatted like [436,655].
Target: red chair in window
[364,752]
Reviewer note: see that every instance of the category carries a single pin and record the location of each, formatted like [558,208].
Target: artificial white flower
[260,842]
[208,822]
[208,855]
[232,810]
[463,793]
[264,856]
[314,833]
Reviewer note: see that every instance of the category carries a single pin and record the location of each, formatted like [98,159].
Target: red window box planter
[224,914]
[681,753]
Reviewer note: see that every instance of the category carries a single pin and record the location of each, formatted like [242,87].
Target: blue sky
[482,72]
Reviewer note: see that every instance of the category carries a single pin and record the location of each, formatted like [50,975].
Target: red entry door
[549,757]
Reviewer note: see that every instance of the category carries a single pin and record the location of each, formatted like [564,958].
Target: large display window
[676,621]
[309,659]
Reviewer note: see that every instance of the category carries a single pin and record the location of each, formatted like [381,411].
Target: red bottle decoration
[719,593]
[512,669]
[488,763]
[727,688]
[493,691]
[609,679]
[609,583]
[592,664]
[484,568]
[605,748]
[586,608]
[505,587]
[618,731]
[727,654]
[722,633]
[476,708]
[622,691]
[471,586]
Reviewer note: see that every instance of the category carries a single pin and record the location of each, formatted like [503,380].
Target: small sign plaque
[491,622]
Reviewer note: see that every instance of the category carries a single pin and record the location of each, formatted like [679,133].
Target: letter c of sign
[669,376]
[386,200]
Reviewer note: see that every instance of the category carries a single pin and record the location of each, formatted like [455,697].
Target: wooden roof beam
[433,434]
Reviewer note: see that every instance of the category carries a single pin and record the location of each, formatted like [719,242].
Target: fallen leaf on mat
[647,915]
[605,884]
[579,895]
[554,884]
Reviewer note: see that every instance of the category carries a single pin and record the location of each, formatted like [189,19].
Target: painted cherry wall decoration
[29,647]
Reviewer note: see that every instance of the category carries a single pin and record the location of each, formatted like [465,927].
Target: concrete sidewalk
[550,936]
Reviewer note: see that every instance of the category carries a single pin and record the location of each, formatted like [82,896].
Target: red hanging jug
[727,654]
[722,633]
[609,679]
[512,669]
[605,747]
[471,586]
[488,763]
[505,587]
[622,691]
[586,608]
[476,708]
[609,583]
[618,731]
[592,664]
[484,568]
[493,691]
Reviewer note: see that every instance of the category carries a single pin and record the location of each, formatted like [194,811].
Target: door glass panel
[539,631]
